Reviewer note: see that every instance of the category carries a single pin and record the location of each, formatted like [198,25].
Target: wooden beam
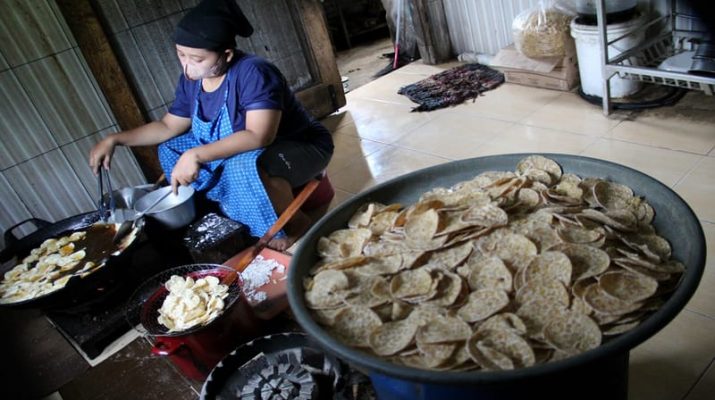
[318,40]
[97,51]
[430,23]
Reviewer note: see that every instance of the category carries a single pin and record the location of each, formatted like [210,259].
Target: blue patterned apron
[232,182]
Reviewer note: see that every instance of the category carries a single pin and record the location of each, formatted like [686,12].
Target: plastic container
[588,51]
[588,7]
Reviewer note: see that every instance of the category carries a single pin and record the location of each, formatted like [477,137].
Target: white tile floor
[378,138]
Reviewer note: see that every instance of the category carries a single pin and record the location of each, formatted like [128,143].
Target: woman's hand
[101,154]
[186,170]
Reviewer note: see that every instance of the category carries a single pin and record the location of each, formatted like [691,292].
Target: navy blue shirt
[253,84]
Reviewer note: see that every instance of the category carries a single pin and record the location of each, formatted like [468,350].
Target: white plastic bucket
[588,51]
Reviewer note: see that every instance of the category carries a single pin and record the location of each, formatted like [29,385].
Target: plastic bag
[543,31]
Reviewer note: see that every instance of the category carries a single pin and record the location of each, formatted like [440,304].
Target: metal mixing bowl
[175,211]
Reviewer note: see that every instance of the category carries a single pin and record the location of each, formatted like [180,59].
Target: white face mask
[196,72]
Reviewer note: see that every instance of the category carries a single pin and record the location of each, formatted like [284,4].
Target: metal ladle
[127,225]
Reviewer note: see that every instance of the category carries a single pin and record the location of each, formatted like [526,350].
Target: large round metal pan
[674,220]
[20,248]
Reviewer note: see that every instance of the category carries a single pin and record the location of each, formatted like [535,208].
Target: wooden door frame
[318,43]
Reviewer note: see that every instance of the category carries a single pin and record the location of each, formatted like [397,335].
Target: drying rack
[641,62]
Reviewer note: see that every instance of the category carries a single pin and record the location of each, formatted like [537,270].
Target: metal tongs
[107,205]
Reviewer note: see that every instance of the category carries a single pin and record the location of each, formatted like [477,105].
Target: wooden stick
[289,212]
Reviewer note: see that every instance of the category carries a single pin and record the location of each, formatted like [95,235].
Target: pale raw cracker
[504,321]
[413,259]
[354,325]
[586,261]
[542,234]
[385,265]
[645,213]
[519,279]
[670,267]
[572,332]
[453,222]
[578,304]
[652,245]
[508,343]
[488,215]
[343,263]
[451,257]
[448,290]
[569,187]
[413,360]
[435,354]
[618,329]
[486,178]
[528,198]
[326,290]
[384,247]
[382,222]
[612,196]
[487,357]
[637,267]
[625,220]
[627,286]
[549,265]
[384,311]
[549,290]
[400,310]
[539,175]
[424,314]
[392,337]
[442,329]
[457,199]
[516,251]
[343,243]
[489,273]
[363,215]
[537,313]
[372,292]
[457,360]
[326,317]
[580,235]
[621,220]
[466,236]
[410,283]
[554,198]
[604,303]
[482,304]
[540,163]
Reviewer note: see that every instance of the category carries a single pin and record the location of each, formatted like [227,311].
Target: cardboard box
[550,73]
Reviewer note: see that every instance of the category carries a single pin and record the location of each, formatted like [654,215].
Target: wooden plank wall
[430,24]
[98,52]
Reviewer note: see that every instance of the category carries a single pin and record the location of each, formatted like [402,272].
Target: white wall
[484,26]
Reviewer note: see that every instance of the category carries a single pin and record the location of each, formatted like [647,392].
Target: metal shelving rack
[641,62]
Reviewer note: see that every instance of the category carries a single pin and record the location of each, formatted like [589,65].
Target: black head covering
[213,24]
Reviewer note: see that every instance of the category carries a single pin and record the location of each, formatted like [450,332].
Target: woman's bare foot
[294,229]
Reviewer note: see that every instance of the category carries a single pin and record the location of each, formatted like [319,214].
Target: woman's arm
[146,135]
[261,130]
[154,132]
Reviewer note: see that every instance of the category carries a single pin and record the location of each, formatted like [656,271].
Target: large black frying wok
[21,247]
[674,220]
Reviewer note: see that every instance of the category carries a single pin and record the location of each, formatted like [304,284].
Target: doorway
[360,37]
